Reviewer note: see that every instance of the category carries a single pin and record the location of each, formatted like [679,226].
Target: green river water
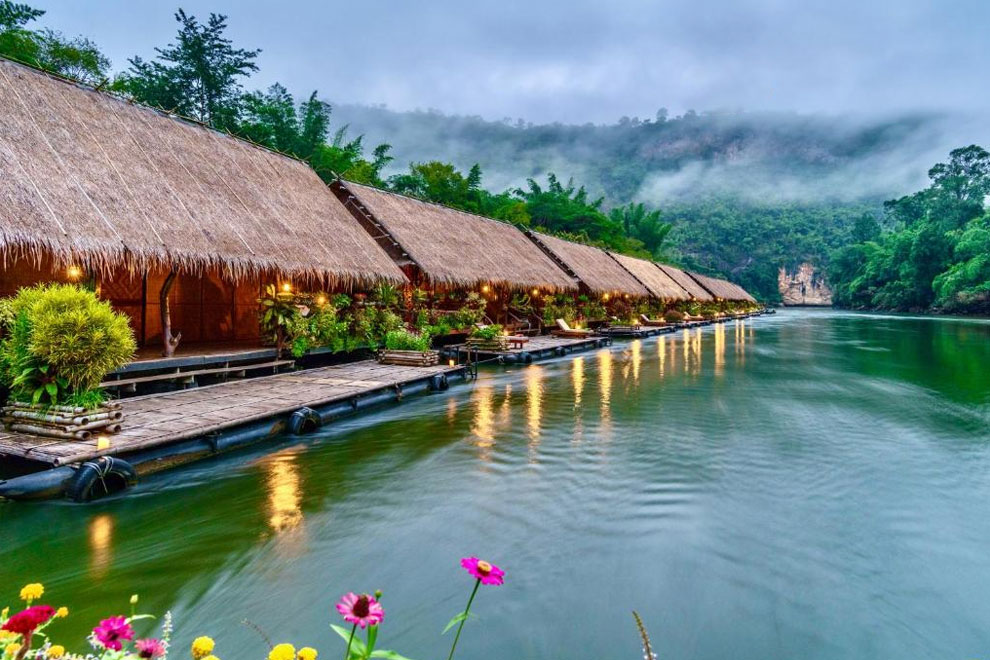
[813,484]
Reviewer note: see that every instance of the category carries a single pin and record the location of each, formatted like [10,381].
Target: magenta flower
[149,648]
[111,631]
[482,570]
[361,610]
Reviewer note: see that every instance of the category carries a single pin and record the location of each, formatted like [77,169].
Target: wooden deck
[161,419]
[537,348]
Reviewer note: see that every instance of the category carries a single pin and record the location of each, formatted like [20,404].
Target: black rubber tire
[304,420]
[98,478]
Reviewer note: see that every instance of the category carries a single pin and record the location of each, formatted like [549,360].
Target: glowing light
[534,401]
[102,442]
[321,299]
[100,544]
[451,363]
[284,492]
[485,288]
[74,273]
[286,287]
[605,297]
[536,292]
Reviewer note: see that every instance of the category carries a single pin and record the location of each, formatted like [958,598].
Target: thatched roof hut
[658,283]
[592,266]
[688,283]
[723,289]
[91,179]
[454,247]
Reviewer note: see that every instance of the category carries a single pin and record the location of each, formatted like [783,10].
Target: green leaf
[462,616]
[36,397]
[358,648]
[372,637]
[388,655]
[52,390]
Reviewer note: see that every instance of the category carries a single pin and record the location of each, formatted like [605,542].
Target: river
[813,484]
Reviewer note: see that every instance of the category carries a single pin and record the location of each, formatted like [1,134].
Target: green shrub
[403,340]
[488,332]
[59,344]
[673,316]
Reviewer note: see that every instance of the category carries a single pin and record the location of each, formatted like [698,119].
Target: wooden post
[169,341]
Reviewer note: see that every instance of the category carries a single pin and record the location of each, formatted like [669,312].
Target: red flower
[27,621]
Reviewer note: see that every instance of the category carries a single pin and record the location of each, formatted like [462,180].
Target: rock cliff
[804,286]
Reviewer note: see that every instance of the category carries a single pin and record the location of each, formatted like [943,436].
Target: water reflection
[577,380]
[534,402]
[719,349]
[100,545]
[284,489]
[483,426]
[605,386]
[637,359]
[662,353]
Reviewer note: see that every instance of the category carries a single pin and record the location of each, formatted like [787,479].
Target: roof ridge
[170,114]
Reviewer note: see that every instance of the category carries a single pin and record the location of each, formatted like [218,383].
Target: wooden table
[516,341]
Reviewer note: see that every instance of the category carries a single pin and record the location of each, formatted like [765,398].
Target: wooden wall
[207,308]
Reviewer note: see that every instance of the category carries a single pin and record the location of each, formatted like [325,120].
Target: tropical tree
[198,75]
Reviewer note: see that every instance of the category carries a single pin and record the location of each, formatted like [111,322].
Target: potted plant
[58,343]
[408,348]
[488,337]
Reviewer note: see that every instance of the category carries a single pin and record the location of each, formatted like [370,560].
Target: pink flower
[149,648]
[27,621]
[482,570]
[361,610]
[111,631]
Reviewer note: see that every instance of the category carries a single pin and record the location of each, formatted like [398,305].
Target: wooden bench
[189,377]
[515,341]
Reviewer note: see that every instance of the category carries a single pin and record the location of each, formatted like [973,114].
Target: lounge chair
[653,323]
[564,330]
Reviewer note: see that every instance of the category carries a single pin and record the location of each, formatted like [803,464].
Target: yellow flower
[56,651]
[32,591]
[12,650]
[283,652]
[202,647]
[211,657]
[307,653]
[134,599]
[62,612]
[6,634]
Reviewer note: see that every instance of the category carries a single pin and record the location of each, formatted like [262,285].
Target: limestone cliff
[804,286]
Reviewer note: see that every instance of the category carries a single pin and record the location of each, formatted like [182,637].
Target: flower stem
[467,610]
[347,653]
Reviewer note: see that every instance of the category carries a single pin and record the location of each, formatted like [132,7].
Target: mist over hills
[747,193]
[762,158]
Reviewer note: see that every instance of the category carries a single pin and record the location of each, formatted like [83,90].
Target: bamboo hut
[658,283]
[444,246]
[594,268]
[141,202]
[689,284]
[723,289]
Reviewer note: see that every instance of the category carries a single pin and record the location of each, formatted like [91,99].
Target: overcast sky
[588,60]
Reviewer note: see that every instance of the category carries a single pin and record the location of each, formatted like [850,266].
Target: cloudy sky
[588,60]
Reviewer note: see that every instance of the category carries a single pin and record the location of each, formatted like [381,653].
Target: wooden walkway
[161,419]
[537,348]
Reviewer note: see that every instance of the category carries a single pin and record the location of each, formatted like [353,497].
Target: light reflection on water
[809,485]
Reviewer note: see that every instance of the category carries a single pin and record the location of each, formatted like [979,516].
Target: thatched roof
[688,283]
[594,267]
[455,247]
[655,280]
[722,288]
[89,178]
